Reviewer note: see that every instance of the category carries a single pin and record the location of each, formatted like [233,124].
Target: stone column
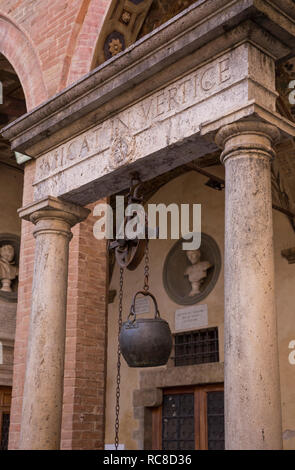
[252,384]
[43,390]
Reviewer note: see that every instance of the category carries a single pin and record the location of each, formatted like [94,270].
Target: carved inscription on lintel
[118,135]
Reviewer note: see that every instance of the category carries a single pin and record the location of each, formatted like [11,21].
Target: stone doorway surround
[203,81]
[150,393]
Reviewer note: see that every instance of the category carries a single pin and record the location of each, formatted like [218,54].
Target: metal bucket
[145,342]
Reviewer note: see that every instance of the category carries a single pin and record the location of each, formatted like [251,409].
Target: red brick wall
[85,360]
[58,32]
[50,44]
[83,54]
[84,383]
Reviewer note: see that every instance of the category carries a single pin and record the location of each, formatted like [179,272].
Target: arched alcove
[22,88]
[16,47]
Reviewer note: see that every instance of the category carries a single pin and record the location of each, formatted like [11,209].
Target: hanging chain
[117,423]
[146,286]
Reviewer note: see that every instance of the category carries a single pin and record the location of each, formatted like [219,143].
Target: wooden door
[190,418]
[5,402]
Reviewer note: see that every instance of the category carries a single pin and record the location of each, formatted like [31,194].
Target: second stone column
[252,385]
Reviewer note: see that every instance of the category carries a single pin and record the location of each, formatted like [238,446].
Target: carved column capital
[52,215]
[251,137]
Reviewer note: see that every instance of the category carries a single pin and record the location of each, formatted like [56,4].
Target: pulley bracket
[129,252]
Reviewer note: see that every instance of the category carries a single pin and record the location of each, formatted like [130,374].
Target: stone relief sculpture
[197,271]
[190,276]
[8,270]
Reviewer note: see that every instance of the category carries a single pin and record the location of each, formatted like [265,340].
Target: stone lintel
[184,42]
[77,213]
[7,340]
[183,376]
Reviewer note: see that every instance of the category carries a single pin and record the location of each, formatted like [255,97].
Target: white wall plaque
[142,305]
[113,447]
[191,318]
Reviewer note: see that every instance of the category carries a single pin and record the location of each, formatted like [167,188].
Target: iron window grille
[196,347]
[190,418]
[178,422]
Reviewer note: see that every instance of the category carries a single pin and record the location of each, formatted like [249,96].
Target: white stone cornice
[250,111]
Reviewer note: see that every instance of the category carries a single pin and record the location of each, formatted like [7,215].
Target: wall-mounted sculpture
[9,258]
[190,276]
[197,272]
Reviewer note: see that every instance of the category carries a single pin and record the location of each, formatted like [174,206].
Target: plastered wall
[190,188]
[11,187]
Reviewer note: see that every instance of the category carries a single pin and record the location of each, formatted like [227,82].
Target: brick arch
[85,41]
[19,51]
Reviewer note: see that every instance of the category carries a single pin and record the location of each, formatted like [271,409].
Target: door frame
[200,411]
[5,404]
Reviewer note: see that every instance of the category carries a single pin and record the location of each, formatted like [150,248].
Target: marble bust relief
[189,276]
[9,256]
[8,270]
[197,271]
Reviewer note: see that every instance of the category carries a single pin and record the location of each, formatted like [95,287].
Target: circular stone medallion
[190,276]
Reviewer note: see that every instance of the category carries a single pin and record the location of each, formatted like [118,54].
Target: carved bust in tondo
[197,271]
[190,275]
[8,270]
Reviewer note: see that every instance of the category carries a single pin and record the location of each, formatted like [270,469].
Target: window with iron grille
[178,422]
[196,347]
[215,420]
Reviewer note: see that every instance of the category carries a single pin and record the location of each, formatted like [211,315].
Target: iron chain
[146,286]
[117,423]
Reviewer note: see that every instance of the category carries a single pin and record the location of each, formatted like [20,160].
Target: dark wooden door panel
[190,419]
[5,402]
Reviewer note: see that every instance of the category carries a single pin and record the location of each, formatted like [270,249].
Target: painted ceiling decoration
[162,11]
[130,20]
[121,28]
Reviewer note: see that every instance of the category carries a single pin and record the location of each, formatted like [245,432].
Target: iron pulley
[129,252]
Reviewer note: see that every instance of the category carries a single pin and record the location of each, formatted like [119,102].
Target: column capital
[52,215]
[253,136]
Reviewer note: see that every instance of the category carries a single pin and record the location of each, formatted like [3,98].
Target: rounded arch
[19,51]
[85,42]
